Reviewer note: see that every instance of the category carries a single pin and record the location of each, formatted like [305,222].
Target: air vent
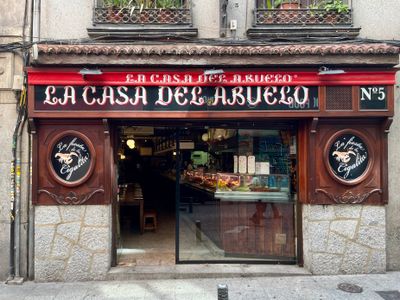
[339,98]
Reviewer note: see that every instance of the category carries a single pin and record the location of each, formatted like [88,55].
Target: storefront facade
[337,126]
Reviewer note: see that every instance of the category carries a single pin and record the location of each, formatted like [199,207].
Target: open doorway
[146,198]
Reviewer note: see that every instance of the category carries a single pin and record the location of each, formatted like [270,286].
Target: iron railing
[303,12]
[178,12]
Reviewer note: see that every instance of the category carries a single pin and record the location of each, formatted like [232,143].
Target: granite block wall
[72,243]
[344,239]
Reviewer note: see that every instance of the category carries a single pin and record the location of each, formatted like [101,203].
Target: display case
[273,187]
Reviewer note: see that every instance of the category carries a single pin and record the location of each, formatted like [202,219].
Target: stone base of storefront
[344,239]
[72,243]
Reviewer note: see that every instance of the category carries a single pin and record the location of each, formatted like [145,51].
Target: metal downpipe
[13,191]
[31,215]
[15,194]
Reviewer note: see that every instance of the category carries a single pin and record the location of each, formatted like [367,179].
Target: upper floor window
[142,12]
[303,12]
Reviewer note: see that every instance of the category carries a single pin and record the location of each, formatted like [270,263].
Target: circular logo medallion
[348,157]
[71,158]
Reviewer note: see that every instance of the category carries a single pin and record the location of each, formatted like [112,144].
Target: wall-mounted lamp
[213,72]
[327,71]
[131,143]
[84,72]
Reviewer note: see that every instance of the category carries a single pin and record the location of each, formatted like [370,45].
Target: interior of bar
[215,193]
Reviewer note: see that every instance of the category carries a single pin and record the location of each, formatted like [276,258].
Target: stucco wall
[60,20]
[378,19]
[72,243]
[57,21]
[6,127]
[344,239]
[12,20]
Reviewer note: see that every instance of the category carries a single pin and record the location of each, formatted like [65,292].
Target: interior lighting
[131,143]
[204,137]
[327,71]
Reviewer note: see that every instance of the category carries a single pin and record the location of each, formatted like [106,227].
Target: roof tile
[218,50]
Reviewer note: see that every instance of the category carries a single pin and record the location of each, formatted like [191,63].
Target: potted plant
[287,4]
[116,8]
[114,13]
[333,9]
[167,13]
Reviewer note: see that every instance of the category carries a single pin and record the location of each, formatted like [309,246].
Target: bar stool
[150,220]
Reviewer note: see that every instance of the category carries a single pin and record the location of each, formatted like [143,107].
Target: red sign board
[206,78]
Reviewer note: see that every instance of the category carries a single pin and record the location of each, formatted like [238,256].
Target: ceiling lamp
[204,137]
[131,143]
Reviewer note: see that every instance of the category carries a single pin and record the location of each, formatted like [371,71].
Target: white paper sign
[262,168]
[251,164]
[242,164]
[235,164]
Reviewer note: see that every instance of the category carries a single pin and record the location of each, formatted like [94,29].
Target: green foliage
[336,6]
[131,4]
[168,3]
[142,4]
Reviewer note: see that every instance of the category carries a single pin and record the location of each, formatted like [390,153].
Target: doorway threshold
[189,271]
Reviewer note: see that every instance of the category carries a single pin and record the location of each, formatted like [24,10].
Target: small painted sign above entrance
[373,97]
[71,159]
[348,157]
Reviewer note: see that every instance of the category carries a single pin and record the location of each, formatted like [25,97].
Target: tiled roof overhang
[198,54]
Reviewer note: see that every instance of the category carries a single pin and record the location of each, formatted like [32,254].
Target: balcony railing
[303,12]
[173,12]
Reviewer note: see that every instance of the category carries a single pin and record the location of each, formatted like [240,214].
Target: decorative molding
[294,32]
[139,32]
[348,197]
[218,50]
[71,198]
